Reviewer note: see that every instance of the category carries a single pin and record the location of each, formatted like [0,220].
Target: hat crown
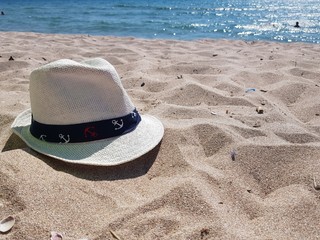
[68,92]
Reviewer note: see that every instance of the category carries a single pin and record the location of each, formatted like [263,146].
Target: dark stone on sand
[11,58]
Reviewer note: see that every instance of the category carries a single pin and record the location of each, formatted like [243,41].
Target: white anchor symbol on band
[42,137]
[116,123]
[61,136]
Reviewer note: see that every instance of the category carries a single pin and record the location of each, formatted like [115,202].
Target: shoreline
[160,39]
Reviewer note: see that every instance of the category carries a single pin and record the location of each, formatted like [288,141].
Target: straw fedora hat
[80,113]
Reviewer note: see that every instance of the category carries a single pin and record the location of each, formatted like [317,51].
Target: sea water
[250,20]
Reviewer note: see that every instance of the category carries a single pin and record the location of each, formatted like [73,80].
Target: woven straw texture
[68,92]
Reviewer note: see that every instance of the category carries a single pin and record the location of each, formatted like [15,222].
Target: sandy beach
[240,157]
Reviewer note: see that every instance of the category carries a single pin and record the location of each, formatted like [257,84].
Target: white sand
[188,187]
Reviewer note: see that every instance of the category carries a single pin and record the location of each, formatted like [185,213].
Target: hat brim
[106,152]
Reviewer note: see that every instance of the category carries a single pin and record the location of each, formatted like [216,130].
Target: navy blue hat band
[85,132]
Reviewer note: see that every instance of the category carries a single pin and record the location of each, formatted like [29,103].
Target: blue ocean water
[271,20]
